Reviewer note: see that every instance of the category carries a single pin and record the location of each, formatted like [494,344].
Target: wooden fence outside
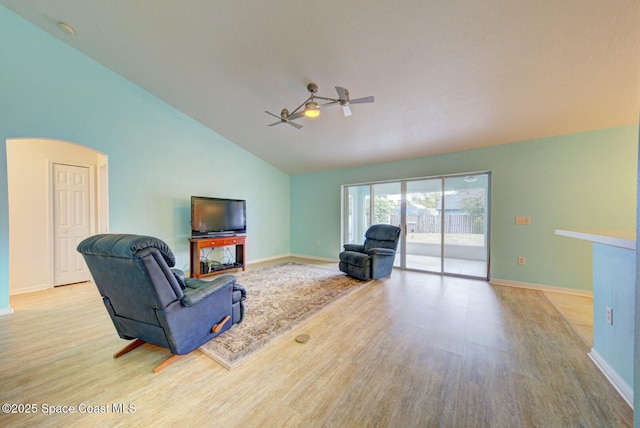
[453,223]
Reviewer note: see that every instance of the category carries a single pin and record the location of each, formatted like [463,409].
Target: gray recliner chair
[373,259]
[150,302]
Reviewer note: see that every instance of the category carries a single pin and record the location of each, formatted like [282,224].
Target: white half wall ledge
[6,311]
[623,238]
[540,287]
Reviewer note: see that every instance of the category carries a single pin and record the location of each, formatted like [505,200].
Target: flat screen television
[217,216]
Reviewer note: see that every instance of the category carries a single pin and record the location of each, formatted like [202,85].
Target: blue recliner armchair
[150,302]
[374,258]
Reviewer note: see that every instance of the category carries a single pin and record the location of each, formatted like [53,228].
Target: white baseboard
[301,256]
[5,311]
[267,259]
[29,289]
[550,288]
[614,378]
[322,259]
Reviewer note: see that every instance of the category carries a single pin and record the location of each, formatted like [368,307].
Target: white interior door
[71,220]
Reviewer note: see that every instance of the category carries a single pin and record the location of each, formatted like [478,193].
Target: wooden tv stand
[198,244]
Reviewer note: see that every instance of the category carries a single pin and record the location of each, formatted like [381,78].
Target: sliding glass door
[445,221]
[357,209]
[386,207]
[423,250]
[370,204]
[466,224]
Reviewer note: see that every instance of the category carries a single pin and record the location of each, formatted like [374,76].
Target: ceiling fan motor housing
[312,108]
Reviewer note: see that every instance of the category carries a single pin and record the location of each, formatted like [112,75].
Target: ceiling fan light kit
[312,108]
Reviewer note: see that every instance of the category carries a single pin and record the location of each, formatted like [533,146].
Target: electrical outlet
[524,220]
[609,316]
[522,261]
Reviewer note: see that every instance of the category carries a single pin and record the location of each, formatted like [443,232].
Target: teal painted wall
[49,90]
[578,181]
[614,275]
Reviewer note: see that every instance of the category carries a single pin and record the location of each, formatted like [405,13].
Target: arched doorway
[34,197]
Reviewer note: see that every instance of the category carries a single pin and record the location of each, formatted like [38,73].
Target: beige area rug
[278,298]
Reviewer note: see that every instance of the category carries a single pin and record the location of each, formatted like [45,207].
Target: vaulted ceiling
[447,75]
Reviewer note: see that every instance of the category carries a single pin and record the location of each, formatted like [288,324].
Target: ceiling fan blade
[330,103]
[274,115]
[341,93]
[362,100]
[280,120]
[297,115]
[346,110]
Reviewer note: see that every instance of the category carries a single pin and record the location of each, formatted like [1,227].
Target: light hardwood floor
[413,350]
[577,311]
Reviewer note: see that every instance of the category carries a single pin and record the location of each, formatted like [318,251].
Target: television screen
[216,216]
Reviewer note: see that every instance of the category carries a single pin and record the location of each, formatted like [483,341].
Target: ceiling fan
[312,108]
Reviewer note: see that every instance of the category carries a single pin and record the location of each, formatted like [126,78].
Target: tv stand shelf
[196,245]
